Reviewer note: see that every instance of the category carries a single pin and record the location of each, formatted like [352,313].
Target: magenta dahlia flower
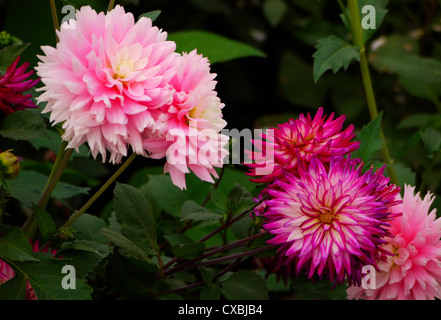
[13,84]
[6,272]
[188,129]
[297,141]
[330,220]
[413,272]
[104,79]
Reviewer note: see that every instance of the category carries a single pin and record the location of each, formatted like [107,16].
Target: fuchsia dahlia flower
[413,271]
[105,78]
[330,220]
[189,127]
[297,141]
[7,273]
[12,86]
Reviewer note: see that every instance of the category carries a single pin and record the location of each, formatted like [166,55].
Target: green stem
[54,16]
[63,156]
[190,263]
[100,191]
[111,5]
[345,13]
[236,256]
[60,165]
[357,33]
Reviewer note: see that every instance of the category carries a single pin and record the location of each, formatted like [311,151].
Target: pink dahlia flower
[189,127]
[330,220]
[12,86]
[105,78]
[6,272]
[413,272]
[297,141]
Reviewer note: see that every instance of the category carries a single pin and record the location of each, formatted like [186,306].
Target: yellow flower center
[326,215]
[124,69]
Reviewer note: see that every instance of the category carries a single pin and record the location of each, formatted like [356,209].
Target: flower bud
[9,165]
[5,39]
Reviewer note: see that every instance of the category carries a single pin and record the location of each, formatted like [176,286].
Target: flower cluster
[116,83]
[331,219]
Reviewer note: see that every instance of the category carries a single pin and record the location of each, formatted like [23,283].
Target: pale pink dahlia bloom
[297,141]
[6,272]
[104,79]
[330,220]
[188,129]
[413,272]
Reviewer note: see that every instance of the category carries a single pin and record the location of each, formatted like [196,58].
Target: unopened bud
[66,233]
[5,39]
[9,165]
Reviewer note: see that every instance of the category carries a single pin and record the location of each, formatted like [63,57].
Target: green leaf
[213,46]
[152,15]
[370,137]
[416,120]
[9,54]
[240,199]
[45,277]
[87,227]
[16,247]
[87,245]
[52,141]
[333,54]
[274,11]
[23,125]
[125,245]
[15,288]
[84,255]
[210,292]
[306,289]
[241,228]
[29,185]
[130,276]
[218,198]
[420,76]
[273,284]
[193,211]
[245,285]
[135,215]
[432,140]
[46,224]
[404,175]
[167,196]
[208,274]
